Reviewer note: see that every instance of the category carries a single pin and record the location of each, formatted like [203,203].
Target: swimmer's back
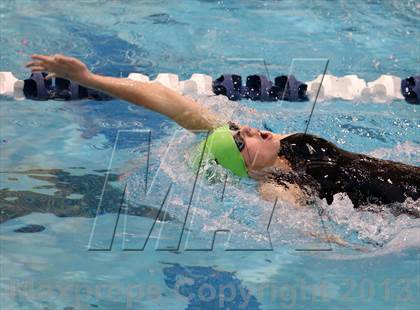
[366,180]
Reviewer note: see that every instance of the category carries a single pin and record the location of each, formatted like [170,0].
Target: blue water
[55,158]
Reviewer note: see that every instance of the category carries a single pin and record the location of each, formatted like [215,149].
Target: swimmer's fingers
[41,57]
[40,61]
[59,66]
[38,69]
[47,62]
[42,69]
[37,66]
[31,64]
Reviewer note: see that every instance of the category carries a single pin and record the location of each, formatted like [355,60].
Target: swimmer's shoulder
[290,193]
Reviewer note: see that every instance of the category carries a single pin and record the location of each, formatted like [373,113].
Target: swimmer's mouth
[266,135]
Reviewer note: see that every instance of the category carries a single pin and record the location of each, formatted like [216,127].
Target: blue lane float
[38,88]
[290,89]
[385,89]
[260,88]
[410,89]
[229,85]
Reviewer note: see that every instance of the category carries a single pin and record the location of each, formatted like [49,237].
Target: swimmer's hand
[60,66]
[154,96]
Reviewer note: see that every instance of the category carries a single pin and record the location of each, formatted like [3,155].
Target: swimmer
[294,167]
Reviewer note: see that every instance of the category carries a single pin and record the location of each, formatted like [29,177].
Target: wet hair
[320,167]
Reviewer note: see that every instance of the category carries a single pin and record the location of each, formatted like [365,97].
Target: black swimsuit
[328,170]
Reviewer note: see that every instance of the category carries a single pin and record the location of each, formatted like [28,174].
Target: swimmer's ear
[50,76]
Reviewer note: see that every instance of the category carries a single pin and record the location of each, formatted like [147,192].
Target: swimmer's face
[260,147]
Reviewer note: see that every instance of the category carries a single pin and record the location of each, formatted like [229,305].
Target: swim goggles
[240,143]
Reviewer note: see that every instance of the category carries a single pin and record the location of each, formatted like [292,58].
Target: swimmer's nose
[245,131]
[248,131]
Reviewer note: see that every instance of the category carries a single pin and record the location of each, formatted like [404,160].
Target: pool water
[62,163]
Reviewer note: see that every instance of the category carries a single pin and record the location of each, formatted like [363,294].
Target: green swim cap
[221,146]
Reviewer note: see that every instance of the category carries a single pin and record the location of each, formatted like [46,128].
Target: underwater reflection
[64,186]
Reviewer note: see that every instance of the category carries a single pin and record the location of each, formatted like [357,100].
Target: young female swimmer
[293,167]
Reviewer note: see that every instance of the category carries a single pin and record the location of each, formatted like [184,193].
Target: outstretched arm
[183,110]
